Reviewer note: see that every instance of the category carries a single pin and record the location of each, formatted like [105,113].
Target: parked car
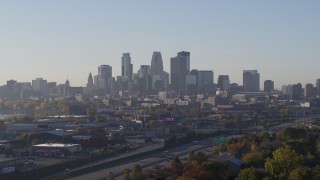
[29,162]
[66,170]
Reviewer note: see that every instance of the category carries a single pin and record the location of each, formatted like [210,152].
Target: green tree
[194,170]
[291,133]
[126,174]
[191,157]
[283,161]
[136,173]
[217,169]
[252,159]
[201,157]
[300,173]
[110,176]
[176,166]
[91,112]
[80,131]
[251,174]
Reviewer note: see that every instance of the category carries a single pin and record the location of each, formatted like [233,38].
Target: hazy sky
[60,39]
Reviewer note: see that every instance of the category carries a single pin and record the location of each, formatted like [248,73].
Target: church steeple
[90,81]
[67,83]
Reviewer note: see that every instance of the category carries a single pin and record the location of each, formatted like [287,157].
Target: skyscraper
[179,68]
[297,91]
[268,86]
[104,79]
[144,79]
[318,86]
[126,67]
[156,64]
[104,71]
[40,85]
[205,81]
[251,80]
[309,91]
[157,73]
[223,82]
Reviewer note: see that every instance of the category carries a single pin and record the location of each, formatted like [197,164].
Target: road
[147,162]
[132,153]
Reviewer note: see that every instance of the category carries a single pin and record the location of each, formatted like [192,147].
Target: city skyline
[68,40]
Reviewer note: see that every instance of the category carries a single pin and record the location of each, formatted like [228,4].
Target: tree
[218,169]
[201,157]
[191,156]
[176,166]
[110,176]
[91,112]
[194,170]
[136,173]
[252,159]
[126,174]
[291,133]
[251,174]
[80,131]
[300,173]
[283,161]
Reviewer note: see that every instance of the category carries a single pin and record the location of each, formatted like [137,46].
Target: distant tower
[205,81]
[104,79]
[251,80]
[156,64]
[223,82]
[67,83]
[318,86]
[179,69]
[309,91]
[144,78]
[268,86]
[40,85]
[126,67]
[90,81]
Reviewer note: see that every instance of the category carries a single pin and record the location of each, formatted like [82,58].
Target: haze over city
[60,40]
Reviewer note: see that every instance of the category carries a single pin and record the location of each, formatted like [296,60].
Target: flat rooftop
[55,145]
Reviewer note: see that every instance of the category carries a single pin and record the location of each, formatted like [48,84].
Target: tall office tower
[223,82]
[195,73]
[156,64]
[90,81]
[166,79]
[179,69]
[287,90]
[205,81]
[309,91]
[144,78]
[126,67]
[104,71]
[191,84]
[293,92]
[251,80]
[104,78]
[158,75]
[297,91]
[40,85]
[268,86]
[318,87]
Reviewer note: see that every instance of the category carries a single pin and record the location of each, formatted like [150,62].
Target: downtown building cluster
[153,80]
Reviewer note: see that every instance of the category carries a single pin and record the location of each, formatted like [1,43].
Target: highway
[147,161]
[151,160]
